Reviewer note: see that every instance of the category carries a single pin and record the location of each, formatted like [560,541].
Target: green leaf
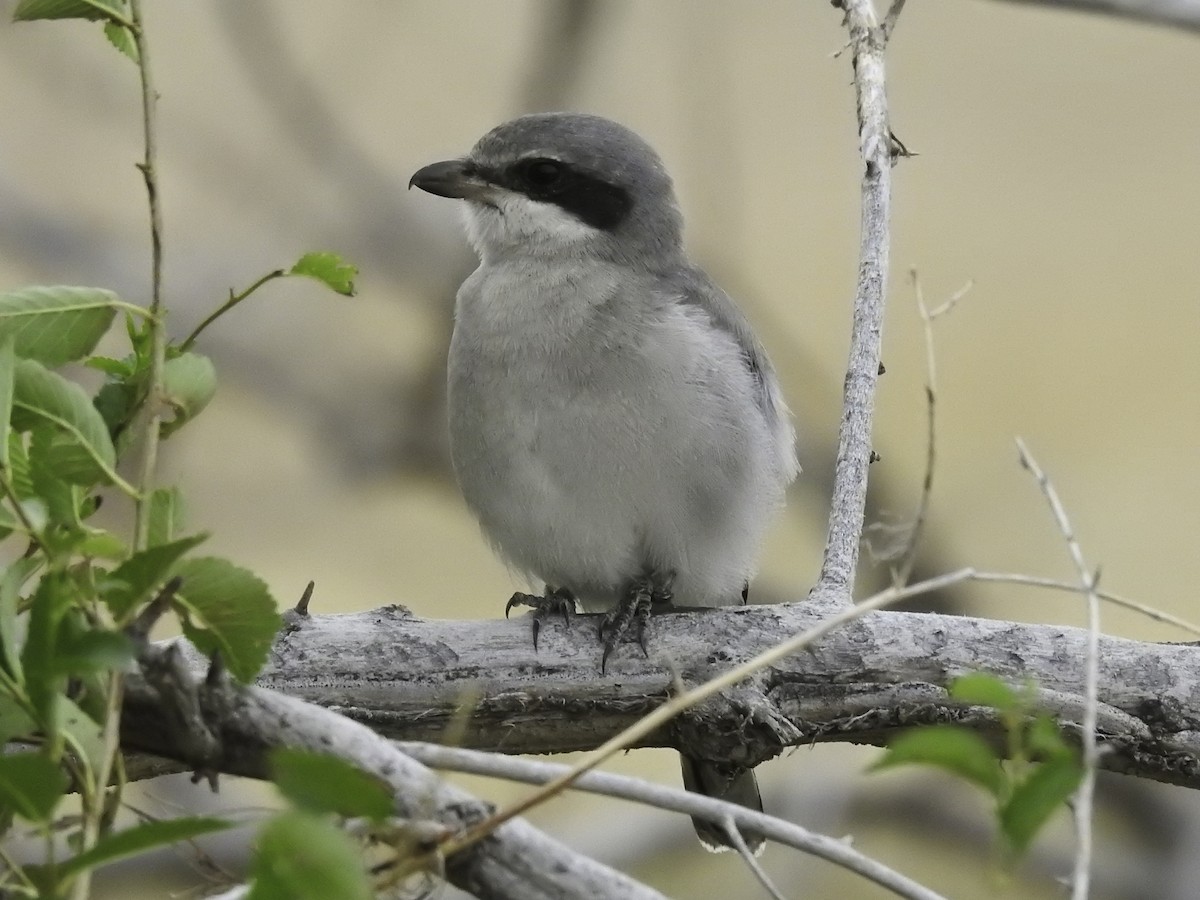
[957,750]
[116,402]
[12,626]
[28,10]
[1036,798]
[328,268]
[121,38]
[117,368]
[982,689]
[8,366]
[230,610]
[302,857]
[92,651]
[139,839]
[131,584]
[44,397]
[56,325]
[321,783]
[1044,739]
[167,515]
[14,721]
[189,382]
[100,544]
[48,605]
[48,455]
[81,731]
[30,785]
[19,475]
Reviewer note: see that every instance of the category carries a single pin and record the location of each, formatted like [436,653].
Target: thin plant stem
[234,300]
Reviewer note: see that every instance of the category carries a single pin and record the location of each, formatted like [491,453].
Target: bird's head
[554,184]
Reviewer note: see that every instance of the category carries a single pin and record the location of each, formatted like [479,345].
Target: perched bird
[615,425]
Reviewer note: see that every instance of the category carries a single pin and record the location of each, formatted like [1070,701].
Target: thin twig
[153,403]
[892,17]
[854,437]
[1150,612]
[781,831]
[1087,787]
[234,300]
[748,857]
[907,554]
[114,693]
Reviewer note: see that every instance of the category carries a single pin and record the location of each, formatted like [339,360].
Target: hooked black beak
[455,178]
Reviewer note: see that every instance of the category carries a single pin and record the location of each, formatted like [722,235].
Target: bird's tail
[712,780]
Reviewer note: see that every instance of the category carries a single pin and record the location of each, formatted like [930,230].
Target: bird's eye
[542,173]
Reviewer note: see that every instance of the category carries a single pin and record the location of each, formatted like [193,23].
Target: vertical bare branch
[867,39]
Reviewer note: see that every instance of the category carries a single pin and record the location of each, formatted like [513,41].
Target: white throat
[514,223]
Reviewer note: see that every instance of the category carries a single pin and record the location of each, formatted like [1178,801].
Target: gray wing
[699,289]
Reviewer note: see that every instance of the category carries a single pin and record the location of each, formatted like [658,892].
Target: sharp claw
[536,627]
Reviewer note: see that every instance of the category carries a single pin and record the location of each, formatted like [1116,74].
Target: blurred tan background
[1058,167]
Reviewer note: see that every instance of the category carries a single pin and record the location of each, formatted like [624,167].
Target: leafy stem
[234,300]
[94,811]
[21,513]
[154,324]
[114,16]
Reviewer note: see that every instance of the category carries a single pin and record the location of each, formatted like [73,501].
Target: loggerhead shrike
[615,425]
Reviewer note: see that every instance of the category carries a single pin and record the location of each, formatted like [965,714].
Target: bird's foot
[557,601]
[644,595]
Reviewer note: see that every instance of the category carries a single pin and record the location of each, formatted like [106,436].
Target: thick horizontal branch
[481,684]
[219,727]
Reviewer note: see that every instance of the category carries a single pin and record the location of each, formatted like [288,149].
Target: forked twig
[1087,787]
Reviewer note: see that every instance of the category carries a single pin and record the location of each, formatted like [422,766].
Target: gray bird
[615,425]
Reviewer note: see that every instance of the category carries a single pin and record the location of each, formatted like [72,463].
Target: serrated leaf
[117,368]
[8,369]
[326,784]
[55,325]
[167,515]
[982,689]
[44,397]
[30,785]
[328,268]
[302,857]
[1035,799]
[189,383]
[131,584]
[230,610]
[121,38]
[956,750]
[139,839]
